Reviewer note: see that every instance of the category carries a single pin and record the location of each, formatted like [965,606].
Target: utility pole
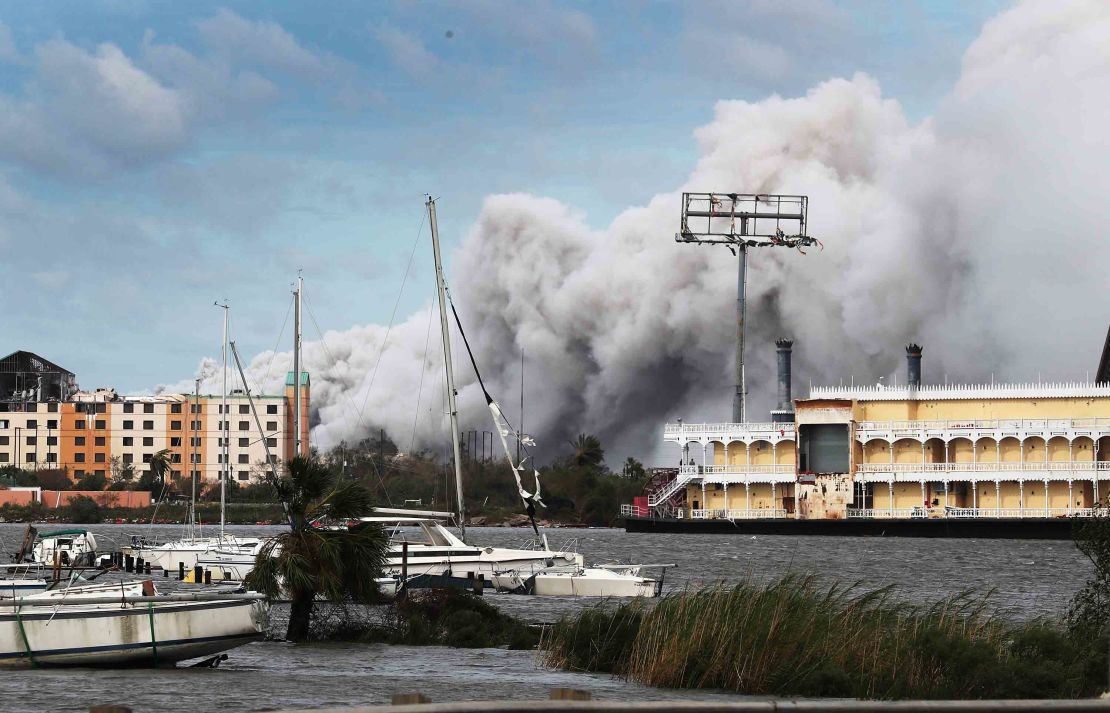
[733,220]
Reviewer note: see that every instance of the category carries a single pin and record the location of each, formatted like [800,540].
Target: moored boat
[88,626]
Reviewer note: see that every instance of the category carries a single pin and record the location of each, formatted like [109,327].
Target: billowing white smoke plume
[978,233]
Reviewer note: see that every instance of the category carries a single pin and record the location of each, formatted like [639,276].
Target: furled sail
[507,433]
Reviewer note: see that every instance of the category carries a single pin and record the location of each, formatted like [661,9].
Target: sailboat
[187,550]
[436,552]
[421,545]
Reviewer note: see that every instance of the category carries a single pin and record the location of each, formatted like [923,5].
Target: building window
[78,474]
[175,408]
[52,407]
[244,458]
[148,425]
[128,425]
[79,457]
[220,458]
[98,457]
[244,408]
[32,407]
[100,425]
[51,440]
[128,457]
[244,442]
[194,441]
[244,425]
[100,441]
[195,458]
[194,408]
[195,425]
[99,472]
[271,442]
[271,426]
[4,440]
[271,409]
[147,457]
[30,458]
[32,440]
[127,441]
[148,440]
[175,458]
[78,441]
[175,475]
[175,442]
[3,457]
[52,423]
[79,424]
[129,408]
[148,408]
[175,425]
[51,457]
[244,475]
[32,423]
[5,423]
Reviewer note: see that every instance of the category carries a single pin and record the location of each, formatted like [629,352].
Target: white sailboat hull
[132,634]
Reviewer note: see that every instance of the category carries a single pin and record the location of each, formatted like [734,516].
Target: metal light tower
[734,220]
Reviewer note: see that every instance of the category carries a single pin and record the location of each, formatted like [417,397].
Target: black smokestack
[785,409]
[913,365]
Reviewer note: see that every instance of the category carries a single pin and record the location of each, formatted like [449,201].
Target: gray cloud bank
[977,232]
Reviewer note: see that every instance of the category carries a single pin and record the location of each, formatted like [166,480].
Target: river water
[1025,578]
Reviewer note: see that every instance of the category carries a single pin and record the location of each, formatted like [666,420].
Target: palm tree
[587,451]
[340,565]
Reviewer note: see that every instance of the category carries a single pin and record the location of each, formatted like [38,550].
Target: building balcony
[728,432]
[1031,470]
[738,473]
[974,429]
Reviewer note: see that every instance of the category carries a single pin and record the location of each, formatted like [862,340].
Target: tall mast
[297,366]
[223,426]
[451,407]
[194,418]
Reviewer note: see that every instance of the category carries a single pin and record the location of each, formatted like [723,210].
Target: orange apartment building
[47,422]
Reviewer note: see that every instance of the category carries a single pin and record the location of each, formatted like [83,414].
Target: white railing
[737,469]
[1008,425]
[663,494]
[884,513]
[747,514]
[882,392]
[1084,465]
[634,511]
[698,428]
[1017,512]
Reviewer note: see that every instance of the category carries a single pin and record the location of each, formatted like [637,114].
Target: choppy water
[1029,578]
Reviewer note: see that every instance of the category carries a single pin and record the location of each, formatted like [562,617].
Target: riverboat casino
[897,452]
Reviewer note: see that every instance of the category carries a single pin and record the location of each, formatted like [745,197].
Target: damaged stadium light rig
[736,220]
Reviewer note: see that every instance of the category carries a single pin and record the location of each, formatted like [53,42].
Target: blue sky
[157,156]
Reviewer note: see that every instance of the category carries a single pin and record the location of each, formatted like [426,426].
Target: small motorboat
[125,624]
[72,547]
[605,580]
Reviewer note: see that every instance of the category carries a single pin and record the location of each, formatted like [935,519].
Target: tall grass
[796,637]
